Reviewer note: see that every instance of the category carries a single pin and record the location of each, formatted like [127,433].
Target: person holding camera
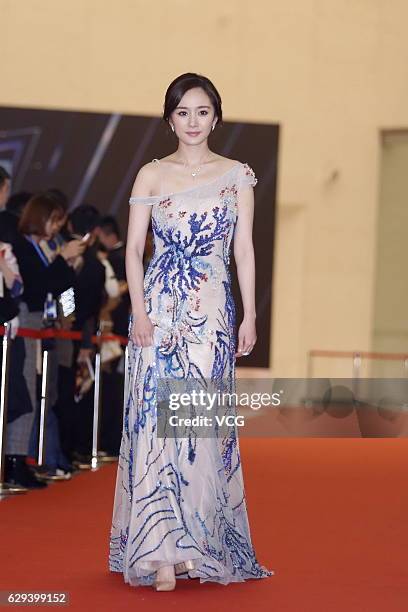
[41,219]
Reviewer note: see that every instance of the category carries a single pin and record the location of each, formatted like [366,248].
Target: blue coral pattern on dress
[180,499]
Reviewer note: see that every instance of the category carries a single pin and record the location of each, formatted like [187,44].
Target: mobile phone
[50,312]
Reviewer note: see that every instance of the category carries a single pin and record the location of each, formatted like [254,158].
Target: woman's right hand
[142,330]
[73,249]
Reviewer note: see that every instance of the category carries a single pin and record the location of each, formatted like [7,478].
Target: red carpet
[330,516]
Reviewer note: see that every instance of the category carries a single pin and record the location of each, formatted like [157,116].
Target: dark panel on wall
[94,158]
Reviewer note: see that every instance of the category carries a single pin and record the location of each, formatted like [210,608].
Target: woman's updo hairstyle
[183,83]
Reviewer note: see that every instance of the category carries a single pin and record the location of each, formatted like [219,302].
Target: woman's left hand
[246,336]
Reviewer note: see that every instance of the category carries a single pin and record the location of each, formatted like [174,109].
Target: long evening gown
[180,499]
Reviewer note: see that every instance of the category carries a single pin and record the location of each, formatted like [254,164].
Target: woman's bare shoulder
[146,179]
[148,170]
[228,160]
[225,163]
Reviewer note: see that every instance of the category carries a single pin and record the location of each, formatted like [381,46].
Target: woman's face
[52,227]
[194,117]
[61,222]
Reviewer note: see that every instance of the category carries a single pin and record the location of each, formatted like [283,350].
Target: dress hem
[148,579]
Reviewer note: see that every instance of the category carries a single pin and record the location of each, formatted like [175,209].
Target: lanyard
[39,251]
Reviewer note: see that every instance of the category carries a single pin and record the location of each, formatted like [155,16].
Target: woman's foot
[165,579]
[183,567]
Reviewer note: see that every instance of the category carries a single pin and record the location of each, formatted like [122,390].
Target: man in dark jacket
[112,417]
[89,291]
[109,236]
[10,210]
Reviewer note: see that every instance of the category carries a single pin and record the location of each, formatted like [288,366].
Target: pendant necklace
[194,172]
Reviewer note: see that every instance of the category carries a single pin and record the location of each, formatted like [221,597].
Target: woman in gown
[179,505]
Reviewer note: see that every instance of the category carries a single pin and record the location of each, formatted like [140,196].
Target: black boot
[17,472]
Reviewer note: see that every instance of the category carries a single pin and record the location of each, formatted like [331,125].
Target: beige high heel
[165,579]
[183,567]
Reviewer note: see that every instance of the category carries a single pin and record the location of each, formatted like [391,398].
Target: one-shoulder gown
[184,499]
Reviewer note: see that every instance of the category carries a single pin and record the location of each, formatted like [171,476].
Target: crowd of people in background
[66,269]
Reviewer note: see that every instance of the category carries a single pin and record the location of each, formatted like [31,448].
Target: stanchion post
[50,316]
[43,408]
[308,402]
[357,361]
[97,401]
[309,370]
[4,395]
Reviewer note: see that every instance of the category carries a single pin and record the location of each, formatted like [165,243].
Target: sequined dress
[183,499]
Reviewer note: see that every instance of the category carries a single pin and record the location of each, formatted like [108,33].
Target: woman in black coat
[41,220]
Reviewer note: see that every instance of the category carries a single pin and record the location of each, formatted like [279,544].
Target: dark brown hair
[39,209]
[4,176]
[183,83]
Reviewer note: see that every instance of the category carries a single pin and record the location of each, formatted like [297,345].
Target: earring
[172,127]
[213,127]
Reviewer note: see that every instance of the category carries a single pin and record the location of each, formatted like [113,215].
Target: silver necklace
[194,172]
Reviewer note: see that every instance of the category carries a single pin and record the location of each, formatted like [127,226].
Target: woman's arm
[245,262]
[139,218]
[7,271]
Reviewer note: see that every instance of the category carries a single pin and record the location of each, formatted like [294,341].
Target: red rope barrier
[366,354]
[26,332]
